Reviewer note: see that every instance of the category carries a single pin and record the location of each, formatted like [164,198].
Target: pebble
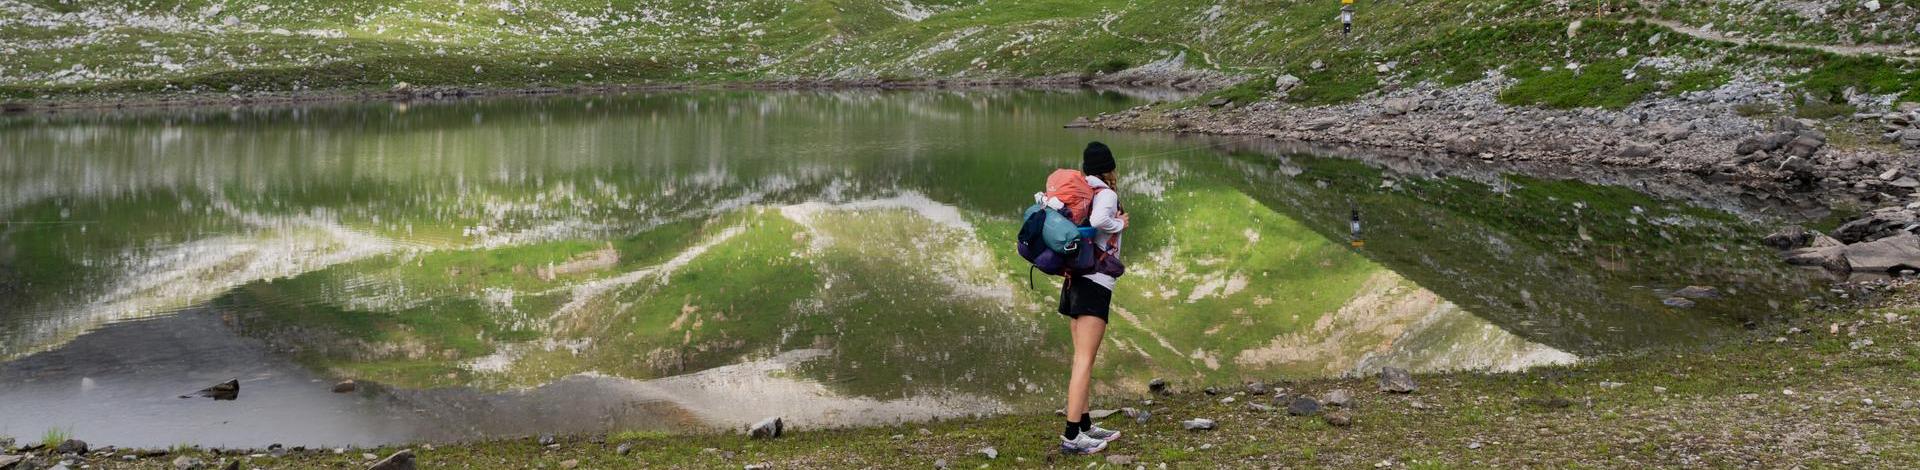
[1197,424]
[990,453]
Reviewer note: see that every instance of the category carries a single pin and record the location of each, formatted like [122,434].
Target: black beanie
[1097,159]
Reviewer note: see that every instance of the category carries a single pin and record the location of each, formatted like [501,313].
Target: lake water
[698,261]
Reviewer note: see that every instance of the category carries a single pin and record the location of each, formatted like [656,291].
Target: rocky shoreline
[1700,133]
[1177,80]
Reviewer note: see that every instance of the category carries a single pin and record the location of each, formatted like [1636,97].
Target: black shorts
[1079,296]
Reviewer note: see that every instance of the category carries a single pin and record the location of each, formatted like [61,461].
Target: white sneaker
[1081,445]
[1100,433]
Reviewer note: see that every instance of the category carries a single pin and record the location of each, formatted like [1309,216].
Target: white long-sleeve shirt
[1106,222]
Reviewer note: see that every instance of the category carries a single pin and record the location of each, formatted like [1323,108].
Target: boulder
[1464,145]
[1908,139]
[767,428]
[1880,223]
[8,461]
[1339,397]
[1763,143]
[1396,380]
[1804,146]
[1886,255]
[1833,259]
[1789,125]
[1673,133]
[402,460]
[1399,106]
[1197,424]
[1320,124]
[1636,150]
[1285,83]
[1788,238]
[1303,406]
[402,89]
[71,446]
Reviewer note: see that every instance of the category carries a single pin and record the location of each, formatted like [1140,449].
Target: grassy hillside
[63,47]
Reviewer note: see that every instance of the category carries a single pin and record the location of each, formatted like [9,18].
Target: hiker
[1346,19]
[1085,299]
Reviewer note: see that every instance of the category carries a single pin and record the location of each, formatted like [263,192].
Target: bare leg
[1087,331]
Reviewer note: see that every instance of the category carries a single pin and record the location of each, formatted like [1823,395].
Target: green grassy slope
[221,47]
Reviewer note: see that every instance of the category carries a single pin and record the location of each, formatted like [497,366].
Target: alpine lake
[697,261]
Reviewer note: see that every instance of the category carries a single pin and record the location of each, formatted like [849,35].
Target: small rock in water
[402,460]
[228,390]
[1339,397]
[1339,419]
[767,428]
[345,386]
[1396,380]
[1197,424]
[1257,388]
[547,439]
[990,453]
[1697,292]
[71,446]
[1304,406]
[1158,385]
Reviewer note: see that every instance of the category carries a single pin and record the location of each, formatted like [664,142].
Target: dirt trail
[1892,51]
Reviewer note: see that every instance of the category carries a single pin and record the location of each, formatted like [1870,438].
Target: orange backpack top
[1071,188]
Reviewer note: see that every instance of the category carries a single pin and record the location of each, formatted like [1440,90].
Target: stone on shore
[71,446]
[1396,380]
[188,463]
[1197,424]
[1339,419]
[1303,406]
[1158,386]
[1339,397]
[767,428]
[1257,388]
[402,460]
[345,386]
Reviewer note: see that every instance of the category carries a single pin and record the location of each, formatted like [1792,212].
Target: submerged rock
[1197,424]
[767,428]
[402,460]
[228,390]
[1396,380]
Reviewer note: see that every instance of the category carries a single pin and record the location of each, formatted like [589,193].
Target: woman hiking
[1085,299]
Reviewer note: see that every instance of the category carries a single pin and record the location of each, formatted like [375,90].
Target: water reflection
[654,261]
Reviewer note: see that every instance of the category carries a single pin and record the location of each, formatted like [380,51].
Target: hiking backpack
[1054,236]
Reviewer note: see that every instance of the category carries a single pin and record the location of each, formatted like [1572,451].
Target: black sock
[1073,430]
[1086,421]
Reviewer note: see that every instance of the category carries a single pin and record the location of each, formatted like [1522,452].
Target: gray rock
[1880,223]
[1258,408]
[71,446]
[1905,182]
[1396,380]
[1218,102]
[624,448]
[1788,238]
[990,453]
[1212,391]
[1320,124]
[1465,145]
[1303,406]
[402,88]
[547,439]
[1788,124]
[1697,292]
[767,428]
[188,463]
[940,464]
[1636,150]
[1908,139]
[1285,83]
[1399,106]
[1339,397]
[1143,417]
[1804,146]
[1886,255]
[1317,64]
[228,390]
[1833,259]
[1101,414]
[1197,424]
[1677,302]
[1158,385]
[1121,460]
[8,461]
[1339,419]
[402,460]
[1257,388]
